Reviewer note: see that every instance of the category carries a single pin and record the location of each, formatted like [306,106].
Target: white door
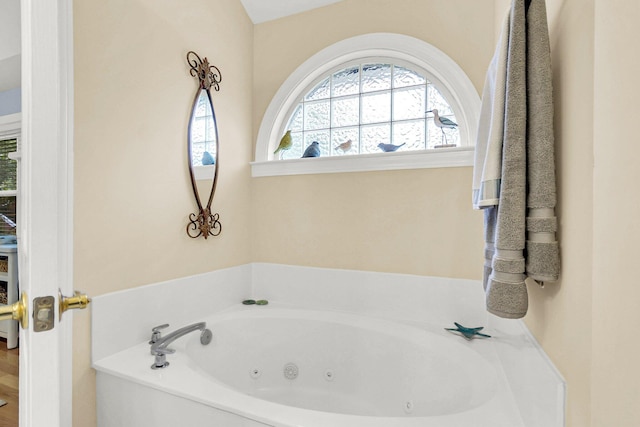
[45,207]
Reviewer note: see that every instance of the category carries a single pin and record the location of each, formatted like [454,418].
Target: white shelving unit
[9,328]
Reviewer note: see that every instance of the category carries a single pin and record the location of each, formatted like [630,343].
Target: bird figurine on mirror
[285,143]
[443,123]
[313,150]
[207,159]
[345,146]
[388,148]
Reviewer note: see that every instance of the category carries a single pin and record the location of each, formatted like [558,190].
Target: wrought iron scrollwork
[203,222]
[208,75]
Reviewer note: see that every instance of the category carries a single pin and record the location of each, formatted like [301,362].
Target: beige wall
[133,94]
[416,221]
[560,313]
[616,216]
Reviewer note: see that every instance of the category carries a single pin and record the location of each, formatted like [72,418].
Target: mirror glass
[204,136]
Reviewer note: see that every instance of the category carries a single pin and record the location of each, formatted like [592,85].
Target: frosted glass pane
[376,77]
[198,129]
[341,135]
[346,82]
[346,111]
[296,147]
[409,133]
[202,107]
[321,91]
[373,135]
[323,139]
[316,115]
[403,77]
[376,107]
[196,153]
[295,123]
[437,101]
[409,103]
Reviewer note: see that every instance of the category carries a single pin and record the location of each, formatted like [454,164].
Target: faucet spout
[160,347]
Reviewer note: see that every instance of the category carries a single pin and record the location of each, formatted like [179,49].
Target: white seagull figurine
[442,122]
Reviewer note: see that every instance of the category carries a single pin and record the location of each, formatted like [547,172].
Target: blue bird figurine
[207,159]
[313,150]
[387,148]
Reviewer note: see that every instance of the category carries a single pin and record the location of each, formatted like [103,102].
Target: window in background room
[8,187]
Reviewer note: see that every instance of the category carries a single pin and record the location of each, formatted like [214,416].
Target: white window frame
[442,71]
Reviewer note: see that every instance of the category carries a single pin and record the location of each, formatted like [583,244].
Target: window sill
[437,158]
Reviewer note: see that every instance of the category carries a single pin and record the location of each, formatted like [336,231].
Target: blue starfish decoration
[468,333]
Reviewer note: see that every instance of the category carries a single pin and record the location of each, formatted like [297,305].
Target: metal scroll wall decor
[202,144]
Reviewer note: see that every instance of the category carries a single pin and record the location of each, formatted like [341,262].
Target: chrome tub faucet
[160,345]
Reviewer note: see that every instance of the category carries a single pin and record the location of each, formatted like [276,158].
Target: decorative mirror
[202,144]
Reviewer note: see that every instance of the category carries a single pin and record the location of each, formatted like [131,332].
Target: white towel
[488,154]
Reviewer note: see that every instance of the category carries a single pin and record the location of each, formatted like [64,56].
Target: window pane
[342,135]
[8,167]
[403,77]
[376,77]
[316,115]
[346,82]
[376,107]
[410,133]
[198,131]
[295,123]
[202,107]
[321,91]
[346,111]
[409,103]
[370,104]
[373,135]
[197,150]
[437,101]
[322,137]
[8,215]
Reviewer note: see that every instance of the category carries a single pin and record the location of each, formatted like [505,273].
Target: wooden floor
[9,363]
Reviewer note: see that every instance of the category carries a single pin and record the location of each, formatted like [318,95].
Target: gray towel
[528,171]
[543,258]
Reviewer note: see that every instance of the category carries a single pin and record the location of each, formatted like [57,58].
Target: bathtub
[285,367]
[290,365]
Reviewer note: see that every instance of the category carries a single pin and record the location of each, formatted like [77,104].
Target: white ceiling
[267,10]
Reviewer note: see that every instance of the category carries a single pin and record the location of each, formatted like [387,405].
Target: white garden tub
[333,348]
[288,367]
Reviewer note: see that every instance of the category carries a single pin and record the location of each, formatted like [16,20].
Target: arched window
[370,103]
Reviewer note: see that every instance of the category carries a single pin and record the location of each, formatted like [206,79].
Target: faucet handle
[156,334]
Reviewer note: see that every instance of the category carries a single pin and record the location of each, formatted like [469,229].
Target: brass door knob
[78,301]
[19,311]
